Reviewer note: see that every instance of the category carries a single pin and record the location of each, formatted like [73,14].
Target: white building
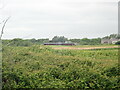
[109,41]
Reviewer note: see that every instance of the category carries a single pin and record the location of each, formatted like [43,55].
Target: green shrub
[43,67]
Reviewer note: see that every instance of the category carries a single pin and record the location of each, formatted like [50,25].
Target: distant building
[105,41]
[109,41]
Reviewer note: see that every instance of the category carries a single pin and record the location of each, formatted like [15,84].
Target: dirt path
[83,48]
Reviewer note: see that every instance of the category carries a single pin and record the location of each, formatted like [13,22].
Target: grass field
[45,67]
[84,47]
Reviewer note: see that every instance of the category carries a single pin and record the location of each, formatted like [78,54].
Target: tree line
[55,39]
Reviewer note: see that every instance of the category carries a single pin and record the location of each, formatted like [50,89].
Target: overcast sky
[69,18]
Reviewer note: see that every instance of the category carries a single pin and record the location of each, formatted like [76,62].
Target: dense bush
[117,43]
[43,67]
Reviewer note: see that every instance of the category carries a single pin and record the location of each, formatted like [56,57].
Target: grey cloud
[72,18]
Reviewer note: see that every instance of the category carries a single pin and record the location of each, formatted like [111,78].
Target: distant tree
[75,40]
[113,36]
[45,41]
[59,39]
[95,41]
[55,39]
[20,42]
[41,41]
[117,36]
[33,40]
[106,37]
[84,41]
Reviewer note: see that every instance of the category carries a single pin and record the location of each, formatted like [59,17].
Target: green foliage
[21,42]
[59,39]
[117,43]
[42,67]
[86,41]
[117,36]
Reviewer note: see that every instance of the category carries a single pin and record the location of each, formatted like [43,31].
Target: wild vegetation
[40,66]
